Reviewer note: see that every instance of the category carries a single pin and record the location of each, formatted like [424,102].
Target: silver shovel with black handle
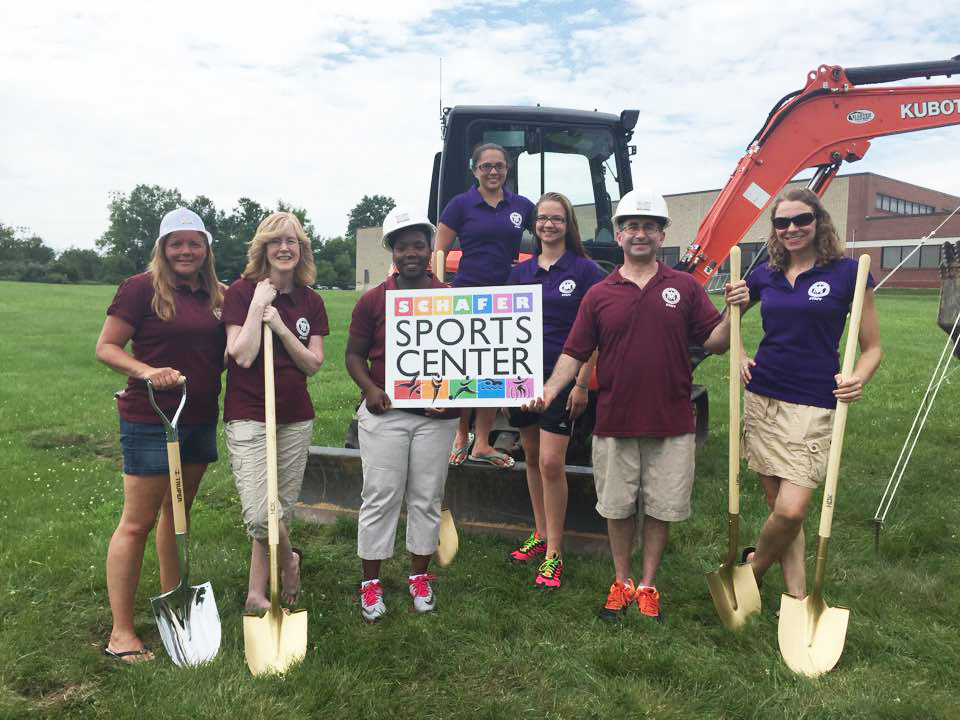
[186,616]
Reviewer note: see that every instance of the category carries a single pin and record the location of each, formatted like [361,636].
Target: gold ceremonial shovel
[733,587]
[277,639]
[811,634]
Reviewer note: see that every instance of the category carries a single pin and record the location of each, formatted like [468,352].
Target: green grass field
[495,648]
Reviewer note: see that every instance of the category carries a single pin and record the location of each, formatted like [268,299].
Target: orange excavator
[827,123]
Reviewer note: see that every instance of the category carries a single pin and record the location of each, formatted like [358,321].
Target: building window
[926,257]
[669,256]
[930,256]
[902,207]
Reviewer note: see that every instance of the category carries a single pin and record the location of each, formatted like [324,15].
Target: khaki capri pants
[405,458]
[247,445]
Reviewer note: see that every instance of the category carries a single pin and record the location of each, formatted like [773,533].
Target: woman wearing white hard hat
[489,221]
[171,313]
[404,452]
[274,289]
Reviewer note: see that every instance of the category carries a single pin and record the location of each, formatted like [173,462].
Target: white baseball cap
[182,219]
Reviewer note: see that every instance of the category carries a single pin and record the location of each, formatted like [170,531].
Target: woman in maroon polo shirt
[171,313]
[794,384]
[274,289]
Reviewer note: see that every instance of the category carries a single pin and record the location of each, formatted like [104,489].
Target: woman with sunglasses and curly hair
[171,314]
[274,289]
[794,383]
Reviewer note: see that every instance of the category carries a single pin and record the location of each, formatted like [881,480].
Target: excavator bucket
[950,289]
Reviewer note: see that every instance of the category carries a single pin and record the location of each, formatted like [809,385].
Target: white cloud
[319,106]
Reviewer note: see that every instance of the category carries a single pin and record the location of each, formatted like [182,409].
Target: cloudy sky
[319,103]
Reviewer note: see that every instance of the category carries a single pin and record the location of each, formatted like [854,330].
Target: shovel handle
[270,418]
[840,415]
[733,489]
[438,268]
[176,488]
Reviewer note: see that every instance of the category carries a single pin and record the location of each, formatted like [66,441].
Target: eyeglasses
[648,228]
[282,242]
[490,167]
[801,220]
[555,219]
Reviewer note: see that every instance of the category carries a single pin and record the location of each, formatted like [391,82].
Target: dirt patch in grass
[101,446]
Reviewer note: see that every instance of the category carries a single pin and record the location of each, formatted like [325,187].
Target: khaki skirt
[786,440]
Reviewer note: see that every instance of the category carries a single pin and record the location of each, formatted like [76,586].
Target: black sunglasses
[801,220]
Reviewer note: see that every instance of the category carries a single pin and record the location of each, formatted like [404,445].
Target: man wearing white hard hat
[405,453]
[641,319]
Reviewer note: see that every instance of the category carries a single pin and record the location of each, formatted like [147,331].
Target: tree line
[124,249]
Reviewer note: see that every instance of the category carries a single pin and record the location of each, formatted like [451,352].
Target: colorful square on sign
[402,306]
[462,305]
[482,304]
[523,302]
[491,388]
[463,389]
[407,389]
[435,389]
[503,303]
[520,388]
[442,305]
[423,306]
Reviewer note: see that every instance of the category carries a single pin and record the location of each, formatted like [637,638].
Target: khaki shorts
[247,444]
[786,440]
[644,476]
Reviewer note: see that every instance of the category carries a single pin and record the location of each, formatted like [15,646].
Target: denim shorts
[144,446]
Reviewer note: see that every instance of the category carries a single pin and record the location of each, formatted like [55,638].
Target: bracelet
[582,387]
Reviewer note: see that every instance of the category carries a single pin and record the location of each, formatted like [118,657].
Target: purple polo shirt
[802,326]
[643,366]
[303,312]
[489,237]
[192,342]
[563,288]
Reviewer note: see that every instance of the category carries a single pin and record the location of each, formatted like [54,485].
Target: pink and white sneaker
[424,600]
[371,601]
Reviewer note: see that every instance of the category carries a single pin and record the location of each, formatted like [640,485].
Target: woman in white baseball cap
[171,313]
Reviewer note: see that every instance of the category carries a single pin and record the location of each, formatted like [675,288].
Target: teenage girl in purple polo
[171,313]
[275,288]
[489,221]
[793,384]
[563,270]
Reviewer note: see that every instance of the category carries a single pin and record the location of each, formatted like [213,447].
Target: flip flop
[460,453]
[136,656]
[291,599]
[496,458]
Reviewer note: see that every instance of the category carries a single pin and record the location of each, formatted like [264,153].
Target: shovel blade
[811,643]
[735,594]
[274,642]
[189,624]
[449,540]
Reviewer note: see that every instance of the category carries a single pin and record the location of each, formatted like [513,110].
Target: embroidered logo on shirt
[670,296]
[517,220]
[217,312]
[819,290]
[303,328]
[567,287]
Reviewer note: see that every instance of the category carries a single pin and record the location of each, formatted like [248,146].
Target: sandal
[130,657]
[496,458]
[460,452]
[287,598]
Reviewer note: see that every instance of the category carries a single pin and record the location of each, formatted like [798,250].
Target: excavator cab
[584,155]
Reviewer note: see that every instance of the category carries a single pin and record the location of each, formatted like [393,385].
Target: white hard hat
[404,216]
[182,219]
[642,201]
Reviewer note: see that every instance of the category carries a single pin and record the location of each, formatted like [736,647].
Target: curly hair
[273,226]
[571,237]
[825,238]
[164,280]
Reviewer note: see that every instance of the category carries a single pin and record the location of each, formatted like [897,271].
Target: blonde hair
[825,238]
[271,227]
[164,279]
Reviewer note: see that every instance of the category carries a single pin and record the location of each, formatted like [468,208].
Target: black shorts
[554,419]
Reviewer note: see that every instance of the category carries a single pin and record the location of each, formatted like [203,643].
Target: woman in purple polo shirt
[489,221]
[274,289]
[171,312]
[793,384]
[561,267]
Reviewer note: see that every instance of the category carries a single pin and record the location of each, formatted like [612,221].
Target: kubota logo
[859,117]
[930,108]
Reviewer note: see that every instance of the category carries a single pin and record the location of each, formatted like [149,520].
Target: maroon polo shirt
[643,365]
[302,311]
[192,342]
[369,322]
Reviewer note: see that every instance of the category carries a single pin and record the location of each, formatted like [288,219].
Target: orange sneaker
[648,602]
[621,596]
